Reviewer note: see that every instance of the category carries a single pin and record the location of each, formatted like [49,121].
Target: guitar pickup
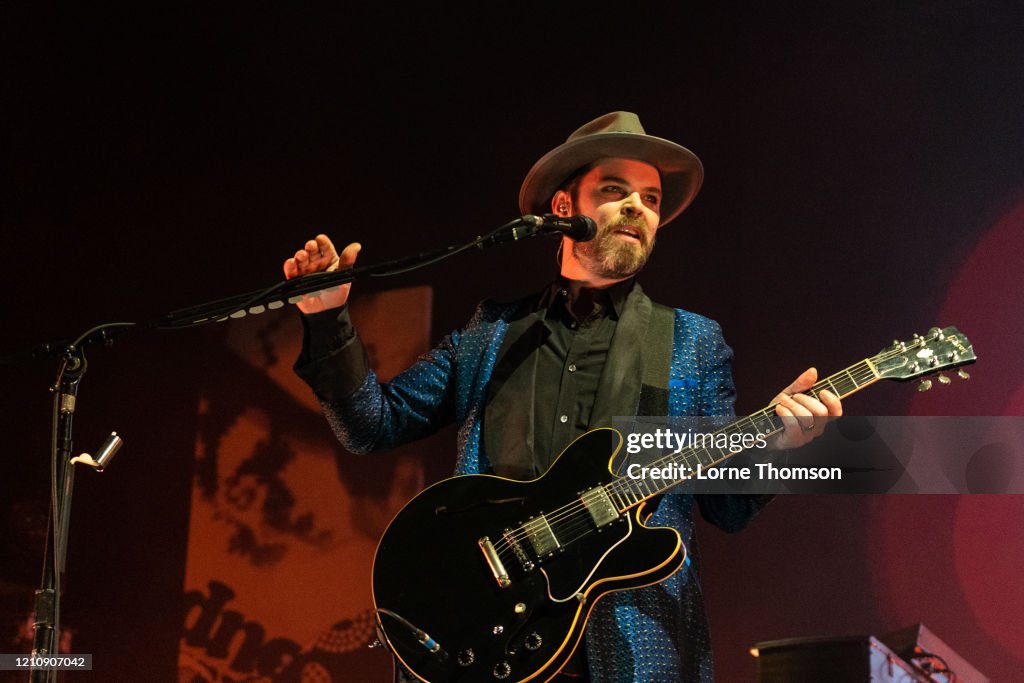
[541,537]
[600,506]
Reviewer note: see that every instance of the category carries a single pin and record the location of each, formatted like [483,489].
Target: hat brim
[681,171]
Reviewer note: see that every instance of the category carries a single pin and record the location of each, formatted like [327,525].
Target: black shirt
[551,359]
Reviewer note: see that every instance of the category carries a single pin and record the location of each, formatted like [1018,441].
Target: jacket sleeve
[364,414]
[729,512]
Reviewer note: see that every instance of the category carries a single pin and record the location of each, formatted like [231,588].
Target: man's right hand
[319,256]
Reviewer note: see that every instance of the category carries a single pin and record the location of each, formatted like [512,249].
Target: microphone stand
[73,365]
[291,291]
[47,603]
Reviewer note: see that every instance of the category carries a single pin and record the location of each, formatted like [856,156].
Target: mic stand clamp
[519,229]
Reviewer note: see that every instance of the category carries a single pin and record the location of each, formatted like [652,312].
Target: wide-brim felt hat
[615,135]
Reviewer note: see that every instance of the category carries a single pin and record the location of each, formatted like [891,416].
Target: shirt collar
[615,295]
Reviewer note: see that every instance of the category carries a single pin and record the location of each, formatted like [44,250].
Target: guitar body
[512,607]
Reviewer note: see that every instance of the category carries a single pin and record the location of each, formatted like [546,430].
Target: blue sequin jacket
[652,634]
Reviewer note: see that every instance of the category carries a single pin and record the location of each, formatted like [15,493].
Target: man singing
[522,380]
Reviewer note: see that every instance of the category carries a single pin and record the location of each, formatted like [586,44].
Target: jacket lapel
[618,392]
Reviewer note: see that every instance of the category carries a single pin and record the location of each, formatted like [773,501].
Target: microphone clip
[519,229]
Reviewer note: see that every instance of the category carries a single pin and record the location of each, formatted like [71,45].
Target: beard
[609,256]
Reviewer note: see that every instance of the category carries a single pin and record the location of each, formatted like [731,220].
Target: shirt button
[563,419]
[572,367]
[573,324]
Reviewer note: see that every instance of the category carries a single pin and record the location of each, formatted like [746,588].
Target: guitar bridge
[524,560]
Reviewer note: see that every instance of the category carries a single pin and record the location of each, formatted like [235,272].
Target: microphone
[579,228]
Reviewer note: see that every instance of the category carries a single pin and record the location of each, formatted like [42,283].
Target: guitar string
[579,521]
[620,487]
[573,525]
[567,534]
[577,507]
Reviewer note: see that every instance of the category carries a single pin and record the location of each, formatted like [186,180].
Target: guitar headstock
[940,349]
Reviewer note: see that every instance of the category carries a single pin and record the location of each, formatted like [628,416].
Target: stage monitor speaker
[860,659]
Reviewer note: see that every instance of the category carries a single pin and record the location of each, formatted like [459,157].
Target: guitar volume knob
[502,670]
[533,642]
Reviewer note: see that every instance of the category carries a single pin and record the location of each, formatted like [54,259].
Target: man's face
[623,197]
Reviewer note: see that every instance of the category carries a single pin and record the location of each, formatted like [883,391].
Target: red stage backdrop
[284,522]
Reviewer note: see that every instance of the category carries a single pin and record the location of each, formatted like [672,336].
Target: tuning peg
[943,379]
[925,385]
[962,374]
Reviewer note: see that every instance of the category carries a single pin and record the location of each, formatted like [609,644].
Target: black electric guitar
[481,578]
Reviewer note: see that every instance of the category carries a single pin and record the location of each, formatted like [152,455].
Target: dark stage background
[864,182]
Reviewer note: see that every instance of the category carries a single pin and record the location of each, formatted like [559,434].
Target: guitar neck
[627,492]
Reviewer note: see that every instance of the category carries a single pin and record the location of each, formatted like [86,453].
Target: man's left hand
[804,417]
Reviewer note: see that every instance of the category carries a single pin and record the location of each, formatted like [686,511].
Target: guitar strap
[656,359]
[652,365]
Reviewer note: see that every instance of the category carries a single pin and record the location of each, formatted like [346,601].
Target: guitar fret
[764,424]
[849,383]
[635,496]
[624,494]
[646,485]
[690,461]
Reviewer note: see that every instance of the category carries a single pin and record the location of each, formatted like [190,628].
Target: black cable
[419,634]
